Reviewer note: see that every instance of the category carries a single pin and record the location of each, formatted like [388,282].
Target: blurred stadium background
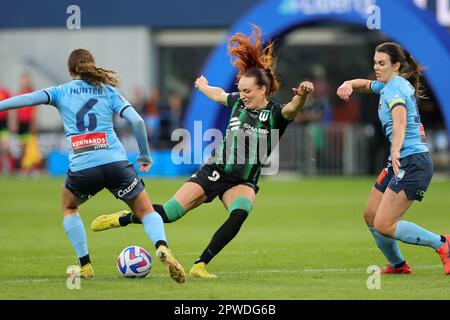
[159,48]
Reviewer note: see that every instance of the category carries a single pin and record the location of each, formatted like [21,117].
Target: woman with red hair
[232,173]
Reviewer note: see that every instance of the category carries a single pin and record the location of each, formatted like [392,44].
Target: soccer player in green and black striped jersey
[250,138]
[255,124]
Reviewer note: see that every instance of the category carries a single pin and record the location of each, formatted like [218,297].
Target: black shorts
[414,177]
[120,178]
[215,182]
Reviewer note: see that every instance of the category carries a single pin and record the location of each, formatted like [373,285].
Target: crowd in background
[161,115]
[20,154]
[19,151]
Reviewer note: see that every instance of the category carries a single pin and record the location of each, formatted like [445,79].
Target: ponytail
[409,68]
[413,72]
[254,60]
[82,63]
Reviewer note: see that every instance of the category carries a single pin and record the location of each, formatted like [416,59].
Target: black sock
[84,260]
[159,243]
[126,219]
[399,265]
[160,209]
[224,235]
[443,239]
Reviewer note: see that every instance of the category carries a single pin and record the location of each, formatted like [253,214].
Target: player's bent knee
[241,203]
[384,227]
[369,218]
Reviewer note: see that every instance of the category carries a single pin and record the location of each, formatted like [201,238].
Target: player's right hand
[144,163]
[200,82]
[344,91]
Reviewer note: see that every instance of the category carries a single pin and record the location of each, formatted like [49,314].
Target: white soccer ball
[134,262]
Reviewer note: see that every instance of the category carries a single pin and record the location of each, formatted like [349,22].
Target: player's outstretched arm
[29,99]
[359,85]
[214,93]
[291,109]
[140,133]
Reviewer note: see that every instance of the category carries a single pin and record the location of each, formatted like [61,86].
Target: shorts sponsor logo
[215,176]
[420,193]
[130,188]
[88,142]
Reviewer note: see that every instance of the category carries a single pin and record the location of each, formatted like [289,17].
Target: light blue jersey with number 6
[399,92]
[87,114]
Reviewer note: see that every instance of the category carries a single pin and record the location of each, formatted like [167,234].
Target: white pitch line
[363,270]
[318,270]
[63,279]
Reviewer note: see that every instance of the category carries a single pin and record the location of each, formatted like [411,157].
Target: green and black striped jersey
[251,136]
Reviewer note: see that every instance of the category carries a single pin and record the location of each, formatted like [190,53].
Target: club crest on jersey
[264,115]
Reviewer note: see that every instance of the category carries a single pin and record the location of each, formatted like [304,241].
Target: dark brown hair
[409,68]
[254,60]
[81,62]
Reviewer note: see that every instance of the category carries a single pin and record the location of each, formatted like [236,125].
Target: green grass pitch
[305,239]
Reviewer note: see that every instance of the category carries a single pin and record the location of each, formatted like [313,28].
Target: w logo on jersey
[235,123]
[264,115]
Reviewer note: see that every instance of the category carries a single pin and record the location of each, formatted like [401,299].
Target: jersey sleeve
[30,99]
[376,86]
[53,94]
[232,98]
[119,103]
[394,96]
[280,121]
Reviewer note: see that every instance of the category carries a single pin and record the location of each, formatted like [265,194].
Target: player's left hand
[304,89]
[396,162]
[144,163]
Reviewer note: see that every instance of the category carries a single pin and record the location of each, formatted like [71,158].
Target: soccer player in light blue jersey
[97,158]
[409,168]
